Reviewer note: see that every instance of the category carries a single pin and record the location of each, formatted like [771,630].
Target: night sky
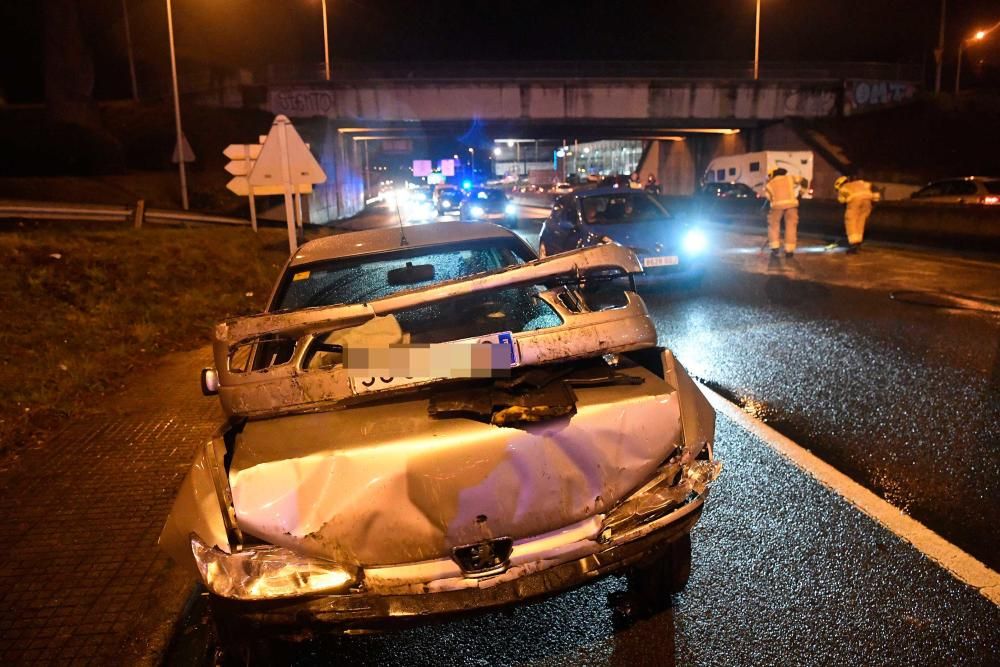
[225,34]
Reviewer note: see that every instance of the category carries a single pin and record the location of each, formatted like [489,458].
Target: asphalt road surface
[855,359]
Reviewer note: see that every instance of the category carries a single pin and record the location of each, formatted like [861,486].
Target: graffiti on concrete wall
[300,103]
[864,95]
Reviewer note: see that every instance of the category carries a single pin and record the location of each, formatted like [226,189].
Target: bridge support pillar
[342,195]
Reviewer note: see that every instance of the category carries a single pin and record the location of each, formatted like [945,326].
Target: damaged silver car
[431,421]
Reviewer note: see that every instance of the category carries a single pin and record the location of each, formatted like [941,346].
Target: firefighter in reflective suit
[858,196]
[782,192]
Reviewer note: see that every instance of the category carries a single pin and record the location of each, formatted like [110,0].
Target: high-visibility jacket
[782,191]
[854,191]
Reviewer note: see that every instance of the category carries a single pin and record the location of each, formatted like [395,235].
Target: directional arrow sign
[242,158]
[242,151]
[239,167]
[285,159]
[239,186]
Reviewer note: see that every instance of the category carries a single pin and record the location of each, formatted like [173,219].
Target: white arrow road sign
[240,186]
[242,157]
[239,167]
[242,151]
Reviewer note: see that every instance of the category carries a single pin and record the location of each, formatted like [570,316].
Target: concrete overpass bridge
[716,108]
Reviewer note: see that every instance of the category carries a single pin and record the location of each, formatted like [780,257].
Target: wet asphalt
[902,397]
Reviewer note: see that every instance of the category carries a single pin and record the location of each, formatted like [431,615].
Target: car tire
[668,574]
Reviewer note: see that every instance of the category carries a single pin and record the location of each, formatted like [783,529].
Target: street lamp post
[177,108]
[939,51]
[326,42]
[978,37]
[131,55]
[756,45]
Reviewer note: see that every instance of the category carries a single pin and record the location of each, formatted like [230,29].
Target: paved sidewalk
[82,579]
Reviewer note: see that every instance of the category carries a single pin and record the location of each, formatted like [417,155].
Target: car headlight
[510,209]
[267,572]
[477,211]
[695,242]
[445,203]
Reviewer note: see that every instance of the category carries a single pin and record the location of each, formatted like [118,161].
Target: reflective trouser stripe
[784,203]
[791,216]
[855,216]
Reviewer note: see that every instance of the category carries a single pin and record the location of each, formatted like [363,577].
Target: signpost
[185,149]
[284,162]
[242,158]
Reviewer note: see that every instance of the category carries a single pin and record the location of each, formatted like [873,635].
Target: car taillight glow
[990,199]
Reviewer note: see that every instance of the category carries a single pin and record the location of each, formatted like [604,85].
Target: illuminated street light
[756,45]
[977,37]
[177,108]
[497,151]
[326,41]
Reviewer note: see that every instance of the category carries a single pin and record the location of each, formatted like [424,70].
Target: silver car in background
[969,190]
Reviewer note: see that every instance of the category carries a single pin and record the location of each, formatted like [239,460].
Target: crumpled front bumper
[366,610]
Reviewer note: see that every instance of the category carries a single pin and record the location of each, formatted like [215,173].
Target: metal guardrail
[19,210]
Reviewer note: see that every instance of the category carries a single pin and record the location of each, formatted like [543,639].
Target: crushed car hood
[386,483]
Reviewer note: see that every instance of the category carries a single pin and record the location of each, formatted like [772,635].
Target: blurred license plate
[659,261]
[364,385]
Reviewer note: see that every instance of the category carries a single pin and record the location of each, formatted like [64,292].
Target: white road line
[961,565]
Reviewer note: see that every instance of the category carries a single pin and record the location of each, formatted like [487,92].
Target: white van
[752,168]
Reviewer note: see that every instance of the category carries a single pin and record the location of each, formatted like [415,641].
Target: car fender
[203,506]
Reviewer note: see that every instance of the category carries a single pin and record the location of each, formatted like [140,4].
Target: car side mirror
[209,381]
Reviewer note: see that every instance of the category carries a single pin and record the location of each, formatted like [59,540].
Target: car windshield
[513,309]
[371,277]
[487,196]
[623,208]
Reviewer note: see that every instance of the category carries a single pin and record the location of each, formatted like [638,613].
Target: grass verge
[83,306]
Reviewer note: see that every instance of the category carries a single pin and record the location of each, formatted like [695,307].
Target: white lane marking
[961,565]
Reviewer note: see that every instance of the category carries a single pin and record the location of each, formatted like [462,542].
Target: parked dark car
[666,245]
[728,199]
